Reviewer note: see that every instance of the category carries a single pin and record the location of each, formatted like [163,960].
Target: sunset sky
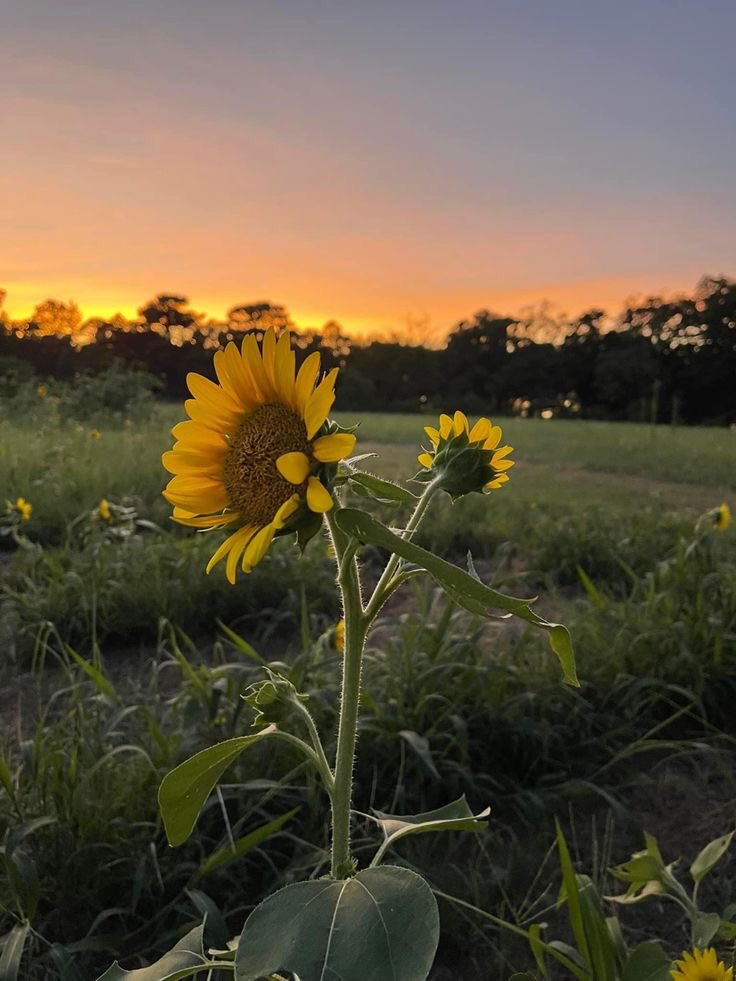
[369,161]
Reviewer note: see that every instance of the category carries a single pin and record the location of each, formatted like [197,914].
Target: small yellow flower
[258,452]
[701,966]
[94,434]
[104,510]
[722,517]
[24,508]
[41,391]
[465,458]
[340,635]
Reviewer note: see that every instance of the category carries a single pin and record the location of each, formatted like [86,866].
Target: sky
[371,162]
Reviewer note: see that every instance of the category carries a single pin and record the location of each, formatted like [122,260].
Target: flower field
[122,658]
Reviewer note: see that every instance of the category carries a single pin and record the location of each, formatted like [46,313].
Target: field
[121,657]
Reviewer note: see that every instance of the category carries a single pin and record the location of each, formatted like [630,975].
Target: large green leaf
[184,961]
[380,925]
[712,853]
[185,789]
[647,962]
[462,587]
[456,816]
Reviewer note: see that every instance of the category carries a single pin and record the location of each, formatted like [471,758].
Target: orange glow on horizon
[384,315]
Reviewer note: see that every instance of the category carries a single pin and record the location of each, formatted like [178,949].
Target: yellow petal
[204,521]
[253,365]
[231,542]
[426,460]
[285,512]
[320,403]
[284,367]
[460,423]
[502,465]
[181,464]
[496,483]
[434,434]
[268,348]
[206,391]
[213,417]
[480,430]
[445,426]
[305,381]
[196,434]
[242,537]
[319,498]
[501,452]
[493,438]
[239,377]
[330,449]
[257,547]
[293,467]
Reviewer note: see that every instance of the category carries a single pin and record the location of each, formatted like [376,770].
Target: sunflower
[466,458]
[258,453]
[722,517]
[22,508]
[701,966]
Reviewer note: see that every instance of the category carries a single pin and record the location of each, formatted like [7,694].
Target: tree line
[661,360]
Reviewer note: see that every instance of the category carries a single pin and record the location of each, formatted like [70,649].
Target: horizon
[374,166]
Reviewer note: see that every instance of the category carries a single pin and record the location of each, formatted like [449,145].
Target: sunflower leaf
[460,586]
[185,789]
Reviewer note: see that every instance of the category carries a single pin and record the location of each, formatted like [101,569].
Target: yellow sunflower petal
[242,537]
[319,498]
[498,481]
[501,452]
[330,449]
[480,430]
[460,423]
[257,547]
[183,462]
[426,460]
[253,366]
[502,464]
[238,377]
[230,542]
[205,520]
[493,438]
[213,417]
[293,467]
[445,426]
[206,391]
[320,403]
[192,434]
[284,367]
[305,381]
[285,512]
[268,356]
[434,434]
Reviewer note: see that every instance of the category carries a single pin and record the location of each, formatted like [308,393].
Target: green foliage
[464,589]
[183,791]
[383,919]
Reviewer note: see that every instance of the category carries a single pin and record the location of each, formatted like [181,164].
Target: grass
[452,704]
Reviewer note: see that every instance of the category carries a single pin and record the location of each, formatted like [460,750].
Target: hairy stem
[342,865]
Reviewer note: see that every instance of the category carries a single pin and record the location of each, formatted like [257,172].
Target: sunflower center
[255,487]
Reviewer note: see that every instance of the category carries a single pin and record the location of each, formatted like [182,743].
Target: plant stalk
[342,866]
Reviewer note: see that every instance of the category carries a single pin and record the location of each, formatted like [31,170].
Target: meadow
[121,657]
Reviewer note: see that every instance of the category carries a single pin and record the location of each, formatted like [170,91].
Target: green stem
[321,760]
[355,630]
[385,585]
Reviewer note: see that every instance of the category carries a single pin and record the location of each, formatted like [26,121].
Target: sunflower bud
[465,459]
